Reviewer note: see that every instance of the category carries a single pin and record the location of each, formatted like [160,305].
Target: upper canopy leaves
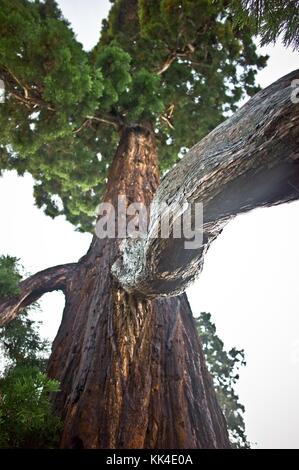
[176,65]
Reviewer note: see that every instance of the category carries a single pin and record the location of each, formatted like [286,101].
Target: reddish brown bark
[132,371]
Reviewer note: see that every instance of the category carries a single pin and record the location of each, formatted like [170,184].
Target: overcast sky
[249,282]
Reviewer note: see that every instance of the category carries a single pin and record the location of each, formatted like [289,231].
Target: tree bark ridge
[131,370]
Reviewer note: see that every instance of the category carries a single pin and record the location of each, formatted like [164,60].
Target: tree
[130,364]
[152,65]
[223,366]
[271,19]
[26,415]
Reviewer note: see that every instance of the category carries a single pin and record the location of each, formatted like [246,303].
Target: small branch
[167,120]
[173,57]
[83,125]
[168,116]
[167,64]
[26,94]
[23,100]
[27,100]
[111,121]
[32,288]
[30,102]
[188,50]
[117,123]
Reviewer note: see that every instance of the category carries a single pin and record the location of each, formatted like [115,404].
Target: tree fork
[132,371]
[251,160]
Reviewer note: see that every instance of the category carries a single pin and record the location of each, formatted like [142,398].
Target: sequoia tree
[90,127]
[271,20]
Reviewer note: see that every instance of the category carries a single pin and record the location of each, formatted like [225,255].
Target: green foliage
[115,66]
[176,65]
[9,276]
[143,102]
[203,63]
[22,345]
[223,366]
[26,416]
[50,89]
[271,19]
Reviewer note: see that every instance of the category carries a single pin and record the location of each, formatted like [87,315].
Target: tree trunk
[132,371]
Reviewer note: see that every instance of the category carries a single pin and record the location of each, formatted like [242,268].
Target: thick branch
[34,287]
[250,160]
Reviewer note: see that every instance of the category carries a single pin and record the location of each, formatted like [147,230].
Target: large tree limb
[32,288]
[250,160]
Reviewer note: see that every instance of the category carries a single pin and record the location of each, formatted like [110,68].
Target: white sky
[249,283]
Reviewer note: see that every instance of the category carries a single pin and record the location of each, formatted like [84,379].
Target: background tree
[224,366]
[131,369]
[26,415]
[270,19]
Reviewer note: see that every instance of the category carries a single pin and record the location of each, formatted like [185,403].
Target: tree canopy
[178,66]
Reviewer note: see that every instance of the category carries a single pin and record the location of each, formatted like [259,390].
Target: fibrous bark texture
[132,371]
[249,161]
